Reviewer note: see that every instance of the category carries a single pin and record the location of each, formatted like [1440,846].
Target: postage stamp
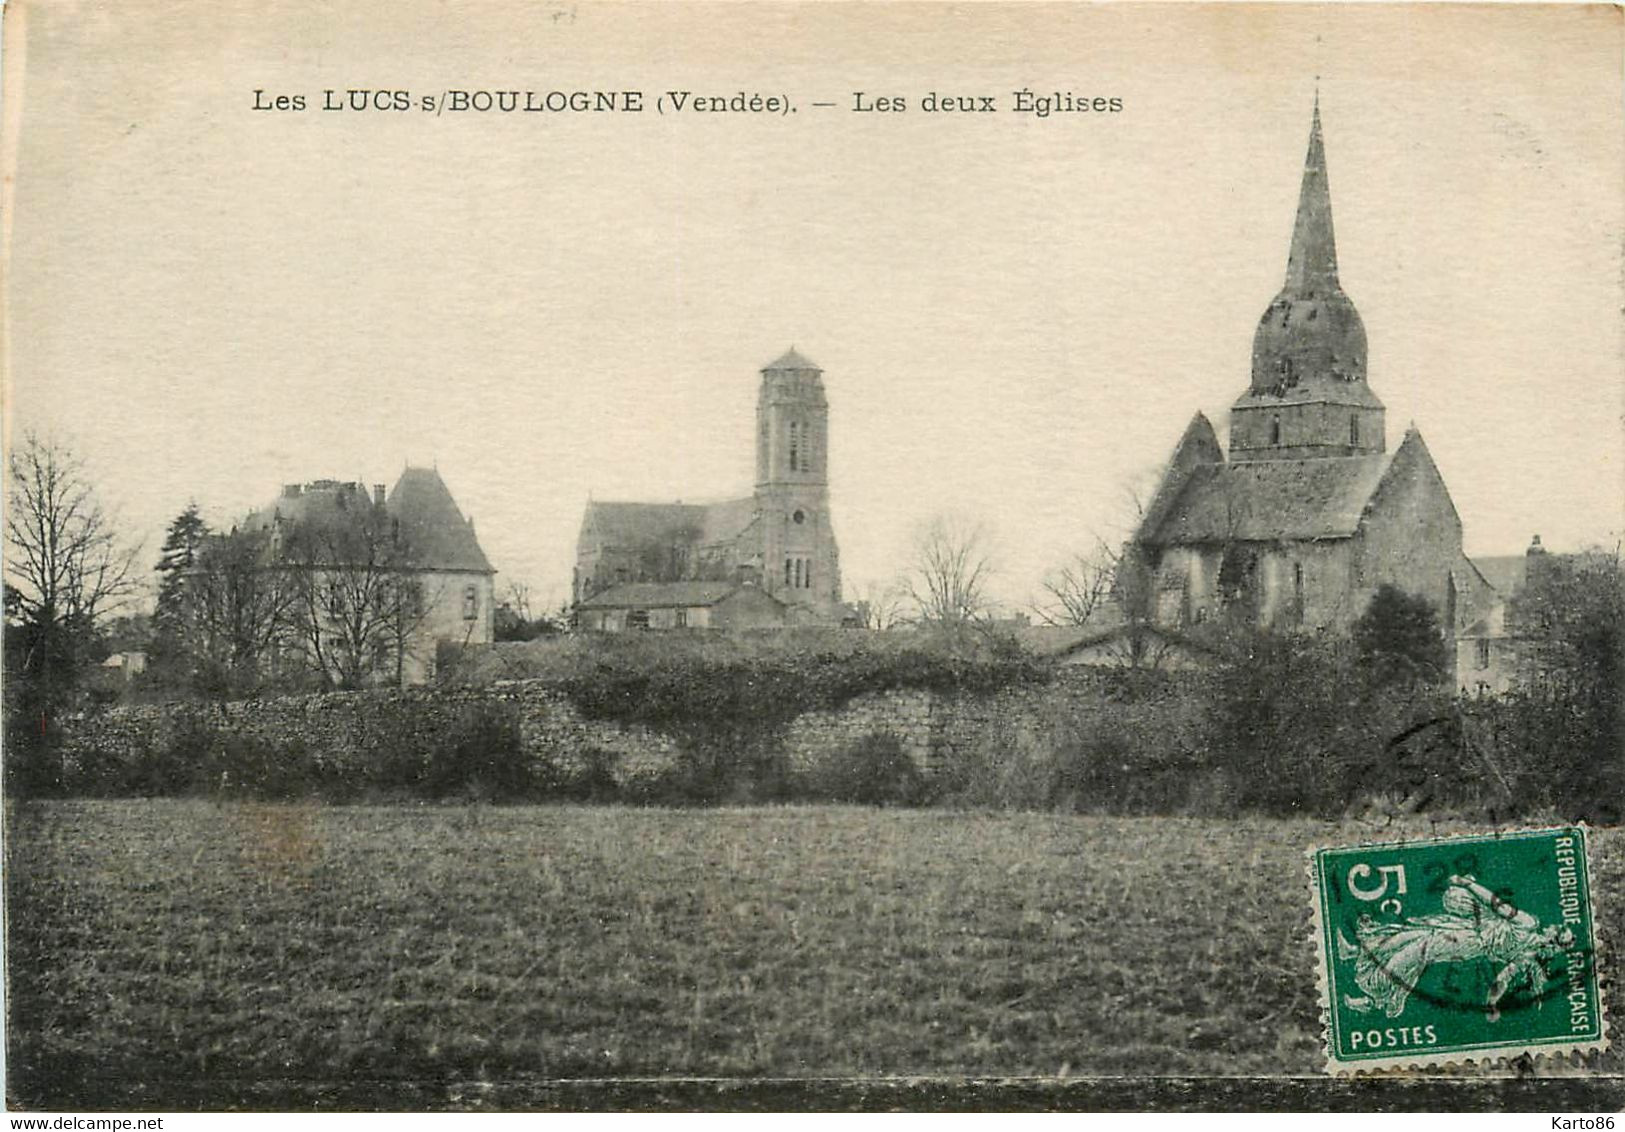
[1456,948]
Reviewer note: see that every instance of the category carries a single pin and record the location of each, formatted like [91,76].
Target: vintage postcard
[568,555]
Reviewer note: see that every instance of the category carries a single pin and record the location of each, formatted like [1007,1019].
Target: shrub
[480,757]
[874,771]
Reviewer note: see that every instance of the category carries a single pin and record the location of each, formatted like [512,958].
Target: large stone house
[778,541]
[374,583]
[1305,513]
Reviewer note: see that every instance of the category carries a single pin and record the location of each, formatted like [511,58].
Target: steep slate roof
[1264,500]
[439,536]
[660,595]
[321,503]
[430,523]
[639,524]
[635,524]
[1505,572]
[726,521]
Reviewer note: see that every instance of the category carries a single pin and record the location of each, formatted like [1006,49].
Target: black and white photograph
[740,556]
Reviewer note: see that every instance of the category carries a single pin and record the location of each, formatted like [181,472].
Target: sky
[1016,316]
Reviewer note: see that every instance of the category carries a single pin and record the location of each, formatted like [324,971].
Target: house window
[1483,648]
[471,602]
[681,619]
[638,619]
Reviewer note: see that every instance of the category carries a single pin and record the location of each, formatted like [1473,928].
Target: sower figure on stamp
[1475,924]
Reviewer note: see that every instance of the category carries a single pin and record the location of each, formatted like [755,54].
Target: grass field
[157,946]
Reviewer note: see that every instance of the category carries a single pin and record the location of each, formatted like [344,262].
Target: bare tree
[238,606]
[946,580]
[879,605]
[357,598]
[1080,587]
[517,598]
[66,566]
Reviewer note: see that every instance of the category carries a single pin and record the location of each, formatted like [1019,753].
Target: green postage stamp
[1456,948]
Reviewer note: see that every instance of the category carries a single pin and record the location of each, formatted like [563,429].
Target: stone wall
[335,730]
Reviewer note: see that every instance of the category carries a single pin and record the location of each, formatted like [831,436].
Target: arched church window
[795,445]
[1275,430]
[1354,428]
[806,575]
[789,565]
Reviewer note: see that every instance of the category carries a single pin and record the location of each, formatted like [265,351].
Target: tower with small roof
[798,553]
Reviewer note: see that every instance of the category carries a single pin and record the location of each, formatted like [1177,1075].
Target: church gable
[1413,483]
[1410,536]
[1198,447]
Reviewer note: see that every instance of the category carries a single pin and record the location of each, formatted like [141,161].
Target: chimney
[378,494]
[1535,547]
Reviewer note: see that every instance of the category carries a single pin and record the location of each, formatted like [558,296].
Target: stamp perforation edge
[1443,1062]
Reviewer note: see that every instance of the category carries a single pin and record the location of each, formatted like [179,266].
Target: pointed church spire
[1309,393]
[1311,266]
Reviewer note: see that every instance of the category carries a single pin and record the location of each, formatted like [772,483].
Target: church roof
[790,359]
[726,521]
[440,538]
[661,595]
[1505,572]
[639,524]
[1265,500]
[634,524]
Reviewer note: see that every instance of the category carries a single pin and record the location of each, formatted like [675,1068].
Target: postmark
[1456,948]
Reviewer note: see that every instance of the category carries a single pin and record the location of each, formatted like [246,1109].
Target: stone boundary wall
[934,728]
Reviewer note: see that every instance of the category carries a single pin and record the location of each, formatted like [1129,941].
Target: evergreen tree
[182,544]
[1399,641]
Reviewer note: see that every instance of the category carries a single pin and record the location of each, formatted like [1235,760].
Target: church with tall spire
[1297,521]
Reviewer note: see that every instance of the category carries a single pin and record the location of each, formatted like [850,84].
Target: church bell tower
[799,563]
[1309,395]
